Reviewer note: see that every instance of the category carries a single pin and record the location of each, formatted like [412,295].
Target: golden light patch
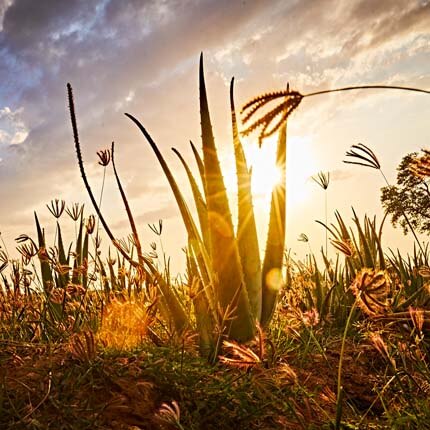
[124,325]
[274,279]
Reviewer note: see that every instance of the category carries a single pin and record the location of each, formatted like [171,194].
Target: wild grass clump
[95,338]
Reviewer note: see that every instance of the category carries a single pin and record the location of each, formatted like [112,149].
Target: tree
[409,200]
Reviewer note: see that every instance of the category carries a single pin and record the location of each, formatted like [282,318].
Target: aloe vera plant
[227,262]
[234,290]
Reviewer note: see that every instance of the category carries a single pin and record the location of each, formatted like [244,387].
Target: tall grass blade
[47,280]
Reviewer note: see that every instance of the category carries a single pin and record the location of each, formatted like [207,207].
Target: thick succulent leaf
[247,239]
[224,252]
[200,165]
[202,211]
[195,240]
[274,254]
[193,234]
[204,318]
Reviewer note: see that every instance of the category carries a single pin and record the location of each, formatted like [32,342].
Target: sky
[141,57]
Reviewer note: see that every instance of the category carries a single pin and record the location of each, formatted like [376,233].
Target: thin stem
[367,87]
[339,370]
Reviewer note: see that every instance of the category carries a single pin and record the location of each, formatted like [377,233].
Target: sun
[301,165]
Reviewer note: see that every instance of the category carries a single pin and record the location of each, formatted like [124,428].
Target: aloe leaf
[194,237]
[247,239]
[273,259]
[224,251]
[196,241]
[202,211]
[200,165]
[204,320]
[45,269]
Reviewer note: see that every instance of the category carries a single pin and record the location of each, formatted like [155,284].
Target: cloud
[141,57]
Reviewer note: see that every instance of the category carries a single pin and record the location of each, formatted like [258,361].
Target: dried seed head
[91,223]
[104,156]
[240,357]
[272,121]
[417,317]
[345,246]
[303,238]
[362,156]
[381,347]
[75,211]
[322,179]
[169,414]
[57,207]
[371,289]
[424,271]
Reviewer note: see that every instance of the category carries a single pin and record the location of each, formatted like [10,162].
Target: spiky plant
[232,280]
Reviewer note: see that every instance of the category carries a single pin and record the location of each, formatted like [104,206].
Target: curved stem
[367,87]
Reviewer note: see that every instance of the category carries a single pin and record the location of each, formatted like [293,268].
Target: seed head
[371,289]
[57,207]
[104,156]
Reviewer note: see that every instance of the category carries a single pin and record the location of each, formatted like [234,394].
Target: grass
[96,341]
[124,366]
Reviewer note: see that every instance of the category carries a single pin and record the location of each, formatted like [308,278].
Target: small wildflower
[424,271]
[311,318]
